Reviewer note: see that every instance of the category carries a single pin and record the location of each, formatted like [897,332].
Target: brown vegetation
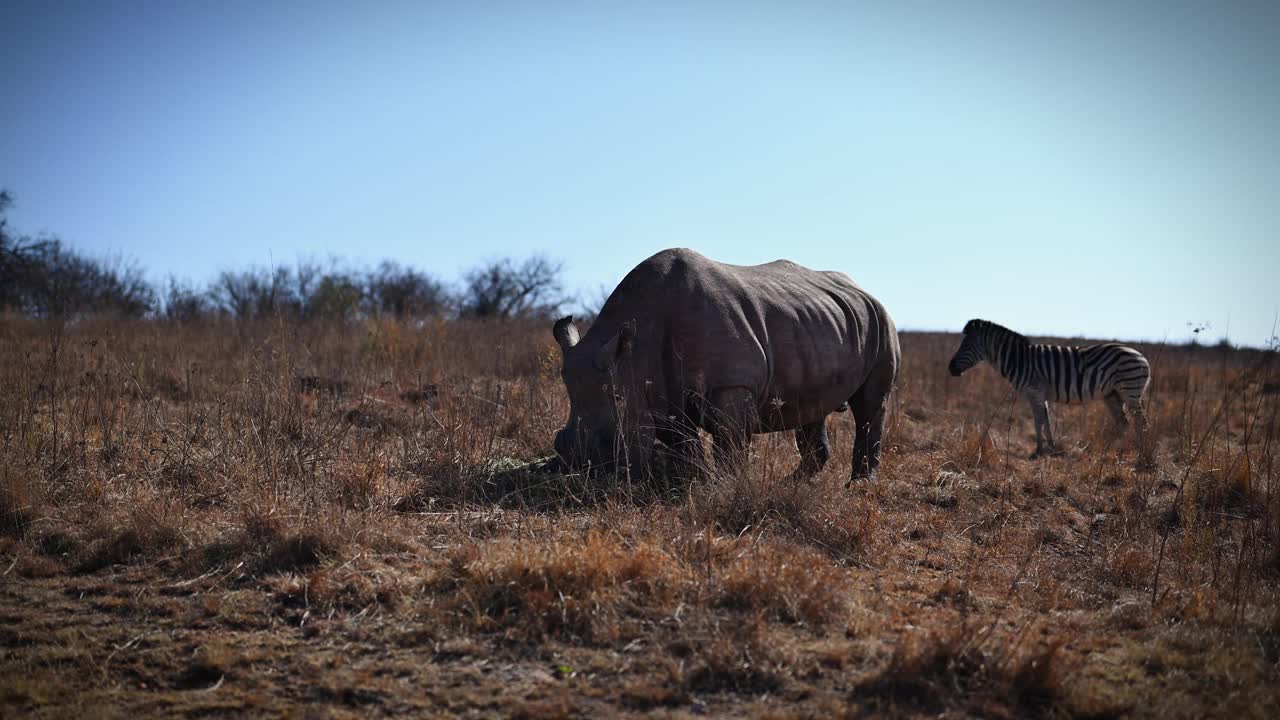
[266,517]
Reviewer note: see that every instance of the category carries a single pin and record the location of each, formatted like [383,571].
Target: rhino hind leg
[868,405]
[815,449]
[732,420]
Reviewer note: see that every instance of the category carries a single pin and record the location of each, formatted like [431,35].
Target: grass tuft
[583,591]
[17,502]
[787,582]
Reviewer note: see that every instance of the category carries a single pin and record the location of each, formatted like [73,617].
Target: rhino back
[801,340]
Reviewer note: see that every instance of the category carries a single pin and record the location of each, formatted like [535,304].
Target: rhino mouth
[606,450]
[583,463]
[586,450]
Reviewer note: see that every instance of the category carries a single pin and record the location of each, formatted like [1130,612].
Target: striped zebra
[1117,373]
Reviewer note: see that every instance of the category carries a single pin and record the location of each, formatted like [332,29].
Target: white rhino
[686,342]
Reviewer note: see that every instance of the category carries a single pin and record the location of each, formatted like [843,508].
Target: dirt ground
[342,522]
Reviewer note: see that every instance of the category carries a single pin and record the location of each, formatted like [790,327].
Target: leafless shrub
[44,277]
[403,292]
[503,289]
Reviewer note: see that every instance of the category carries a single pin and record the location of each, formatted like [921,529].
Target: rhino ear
[566,333]
[618,346]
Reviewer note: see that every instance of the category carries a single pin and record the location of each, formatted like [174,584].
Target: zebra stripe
[1067,374]
[1117,373]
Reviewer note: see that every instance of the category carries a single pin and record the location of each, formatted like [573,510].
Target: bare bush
[255,293]
[43,277]
[401,292]
[504,289]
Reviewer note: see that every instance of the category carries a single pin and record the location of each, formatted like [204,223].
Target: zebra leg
[1116,405]
[815,449]
[1040,413]
[1048,429]
[1140,427]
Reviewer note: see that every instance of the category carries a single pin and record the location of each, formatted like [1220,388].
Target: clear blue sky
[1107,169]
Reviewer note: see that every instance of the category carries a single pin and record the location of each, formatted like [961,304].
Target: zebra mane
[993,330]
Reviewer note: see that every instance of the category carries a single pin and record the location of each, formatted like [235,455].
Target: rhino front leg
[815,449]
[685,449]
[732,422]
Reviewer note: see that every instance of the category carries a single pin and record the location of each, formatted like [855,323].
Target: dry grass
[250,519]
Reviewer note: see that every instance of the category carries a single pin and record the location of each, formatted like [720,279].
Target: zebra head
[972,348]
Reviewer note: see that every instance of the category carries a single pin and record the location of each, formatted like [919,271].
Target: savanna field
[327,519]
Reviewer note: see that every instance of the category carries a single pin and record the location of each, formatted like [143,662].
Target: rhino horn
[566,333]
[618,345]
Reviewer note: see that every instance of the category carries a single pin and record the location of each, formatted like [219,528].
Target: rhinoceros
[686,342]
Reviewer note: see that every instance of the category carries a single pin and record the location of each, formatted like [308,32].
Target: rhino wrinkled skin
[685,342]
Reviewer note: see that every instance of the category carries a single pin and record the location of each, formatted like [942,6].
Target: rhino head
[602,407]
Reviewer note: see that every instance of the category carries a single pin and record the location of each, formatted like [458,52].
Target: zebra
[1117,373]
